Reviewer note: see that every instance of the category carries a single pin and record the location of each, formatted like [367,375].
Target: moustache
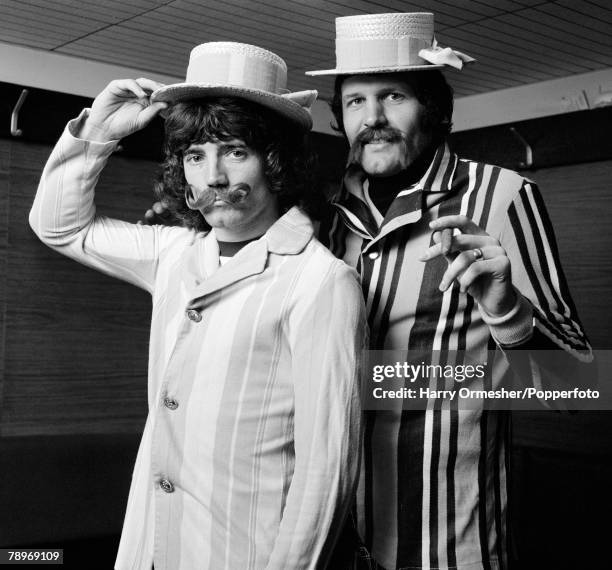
[373,134]
[202,199]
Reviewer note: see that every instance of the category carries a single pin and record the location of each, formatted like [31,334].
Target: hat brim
[293,106]
[365,71]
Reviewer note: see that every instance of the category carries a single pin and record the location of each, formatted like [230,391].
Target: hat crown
[418,25]
[387,43]
[232,69]
[238,65]
[383,40]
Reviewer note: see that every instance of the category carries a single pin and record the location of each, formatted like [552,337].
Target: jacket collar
[360,214]
[289,235]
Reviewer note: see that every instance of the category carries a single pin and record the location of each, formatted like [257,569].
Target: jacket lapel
[288,236]
[248,262]
[407,208]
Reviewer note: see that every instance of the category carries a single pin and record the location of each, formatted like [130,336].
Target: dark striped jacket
[432,492]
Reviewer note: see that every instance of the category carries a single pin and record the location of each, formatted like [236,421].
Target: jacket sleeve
[64,215]
[328,336]
[545,318]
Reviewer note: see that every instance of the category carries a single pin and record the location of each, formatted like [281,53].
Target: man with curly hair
[250,451]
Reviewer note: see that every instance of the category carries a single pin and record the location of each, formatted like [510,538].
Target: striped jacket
[432,491]
[250,452]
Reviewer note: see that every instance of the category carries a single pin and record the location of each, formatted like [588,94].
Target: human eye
[193,157]
[237,152]
[354,101]
[395,96]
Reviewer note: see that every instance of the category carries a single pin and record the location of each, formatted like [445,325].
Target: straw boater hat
[230,69]
[384,43]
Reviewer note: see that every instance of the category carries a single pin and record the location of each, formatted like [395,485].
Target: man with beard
[454,256]
[250,450]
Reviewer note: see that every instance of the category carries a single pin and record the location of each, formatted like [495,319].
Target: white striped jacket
[250,452]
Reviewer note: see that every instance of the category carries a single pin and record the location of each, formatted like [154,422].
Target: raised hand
[476,261]
[122,108]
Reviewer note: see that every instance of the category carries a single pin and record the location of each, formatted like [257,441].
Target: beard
[203,199]
[381,134]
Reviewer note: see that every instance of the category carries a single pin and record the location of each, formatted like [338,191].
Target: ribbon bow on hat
[444,56]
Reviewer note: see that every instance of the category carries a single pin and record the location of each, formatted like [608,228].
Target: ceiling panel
[97,12]
[516,42]
[503,5]
[599,23]
[24,37]
[26,15]
[544,39]
[495,48]
[292,37]
[562,23]
[601,12]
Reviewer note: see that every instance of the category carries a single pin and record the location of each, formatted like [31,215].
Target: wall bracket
[15,130]
[528,162]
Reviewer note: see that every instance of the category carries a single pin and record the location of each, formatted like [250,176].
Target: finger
[464,260]
[148,113]
[161,209]
[460,242]
[149,85]
[158,208]
[463,223]
[474,272]
[158,213]
[497,265]
[126,87]
[443,245]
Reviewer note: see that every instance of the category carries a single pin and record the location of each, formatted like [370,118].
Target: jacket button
[166,486]
[373,255]
[194,315]
[170,403]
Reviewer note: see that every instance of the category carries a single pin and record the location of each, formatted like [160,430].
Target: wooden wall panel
[5,149]
[579,201]
[76,340]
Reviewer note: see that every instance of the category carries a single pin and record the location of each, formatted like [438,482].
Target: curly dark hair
[289,163]
[431,90]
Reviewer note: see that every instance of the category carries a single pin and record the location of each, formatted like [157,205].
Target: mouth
[219,203]
[377,143]
[207,199]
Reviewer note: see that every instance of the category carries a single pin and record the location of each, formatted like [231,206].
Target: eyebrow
[382,91]
[351,95]
[237,143]
[234,143]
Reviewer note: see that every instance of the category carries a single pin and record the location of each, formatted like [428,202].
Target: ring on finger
[477,253]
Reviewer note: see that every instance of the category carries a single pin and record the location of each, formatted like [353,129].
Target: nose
[215,174]
[375,114]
